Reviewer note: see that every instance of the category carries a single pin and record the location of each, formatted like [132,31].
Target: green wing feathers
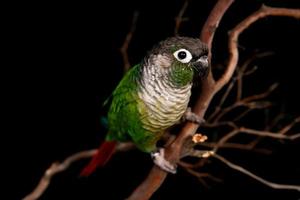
[124,116]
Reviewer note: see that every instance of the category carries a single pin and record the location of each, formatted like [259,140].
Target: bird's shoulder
[126,91]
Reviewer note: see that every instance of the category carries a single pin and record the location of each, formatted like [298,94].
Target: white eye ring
[183,55]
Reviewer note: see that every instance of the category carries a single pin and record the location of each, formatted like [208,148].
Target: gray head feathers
[170,45]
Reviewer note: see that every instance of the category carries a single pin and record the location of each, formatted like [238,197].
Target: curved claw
[158,158]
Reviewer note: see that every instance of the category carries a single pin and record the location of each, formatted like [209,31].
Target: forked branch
[248,173]
[156,176]
[54,169]
[209,86]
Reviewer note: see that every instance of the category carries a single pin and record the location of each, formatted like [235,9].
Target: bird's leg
[192,117]
[159,159]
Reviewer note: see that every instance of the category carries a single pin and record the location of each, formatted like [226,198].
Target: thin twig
[238,80]
[56,168]
[221,123]
[179,19]
[253,106]
[225,139]
[201,176]
[242,71]
[269,134]
[128,38]
[239,146]
[282,131]
[234,132]
[247,102]
[261,95]
[285,129]
[264,11]
[250,174]
[223,98]
[275,121]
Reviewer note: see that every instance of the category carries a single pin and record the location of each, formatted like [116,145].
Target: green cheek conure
[152,97]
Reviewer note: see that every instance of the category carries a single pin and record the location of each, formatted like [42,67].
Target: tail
[104,153]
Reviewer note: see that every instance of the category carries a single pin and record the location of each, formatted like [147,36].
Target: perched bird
[152,97]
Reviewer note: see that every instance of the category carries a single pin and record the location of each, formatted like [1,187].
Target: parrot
[152,97]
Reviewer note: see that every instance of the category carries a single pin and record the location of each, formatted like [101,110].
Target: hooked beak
[201,65]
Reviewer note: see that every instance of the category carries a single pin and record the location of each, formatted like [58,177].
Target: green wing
[126,114]
[123,115]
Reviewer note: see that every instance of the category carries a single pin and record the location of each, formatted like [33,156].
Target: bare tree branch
[56,168]
[250,174]
[179,19]
[124,48]
[264,11]
[156,175]
[242,71]
[209,87]
[213,20]
[269,134]
[201,176]
[285,129]
[275,121]
[238,80]
[225,139]
[223,98]
[238,146]
[234,132]
[261,95]
[247,102]
[221,123]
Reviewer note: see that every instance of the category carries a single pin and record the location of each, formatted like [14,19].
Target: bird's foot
[192,117]
[159,159]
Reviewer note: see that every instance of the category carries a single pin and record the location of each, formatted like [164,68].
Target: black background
[63,61]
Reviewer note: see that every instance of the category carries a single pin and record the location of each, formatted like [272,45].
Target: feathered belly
[162,109]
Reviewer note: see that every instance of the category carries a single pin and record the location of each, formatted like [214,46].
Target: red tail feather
[104,153]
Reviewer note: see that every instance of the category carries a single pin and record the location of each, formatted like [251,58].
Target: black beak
[201,65]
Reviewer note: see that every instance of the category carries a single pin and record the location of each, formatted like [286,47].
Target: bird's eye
[183,55]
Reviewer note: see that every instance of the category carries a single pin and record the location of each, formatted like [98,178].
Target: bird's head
[179,59]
